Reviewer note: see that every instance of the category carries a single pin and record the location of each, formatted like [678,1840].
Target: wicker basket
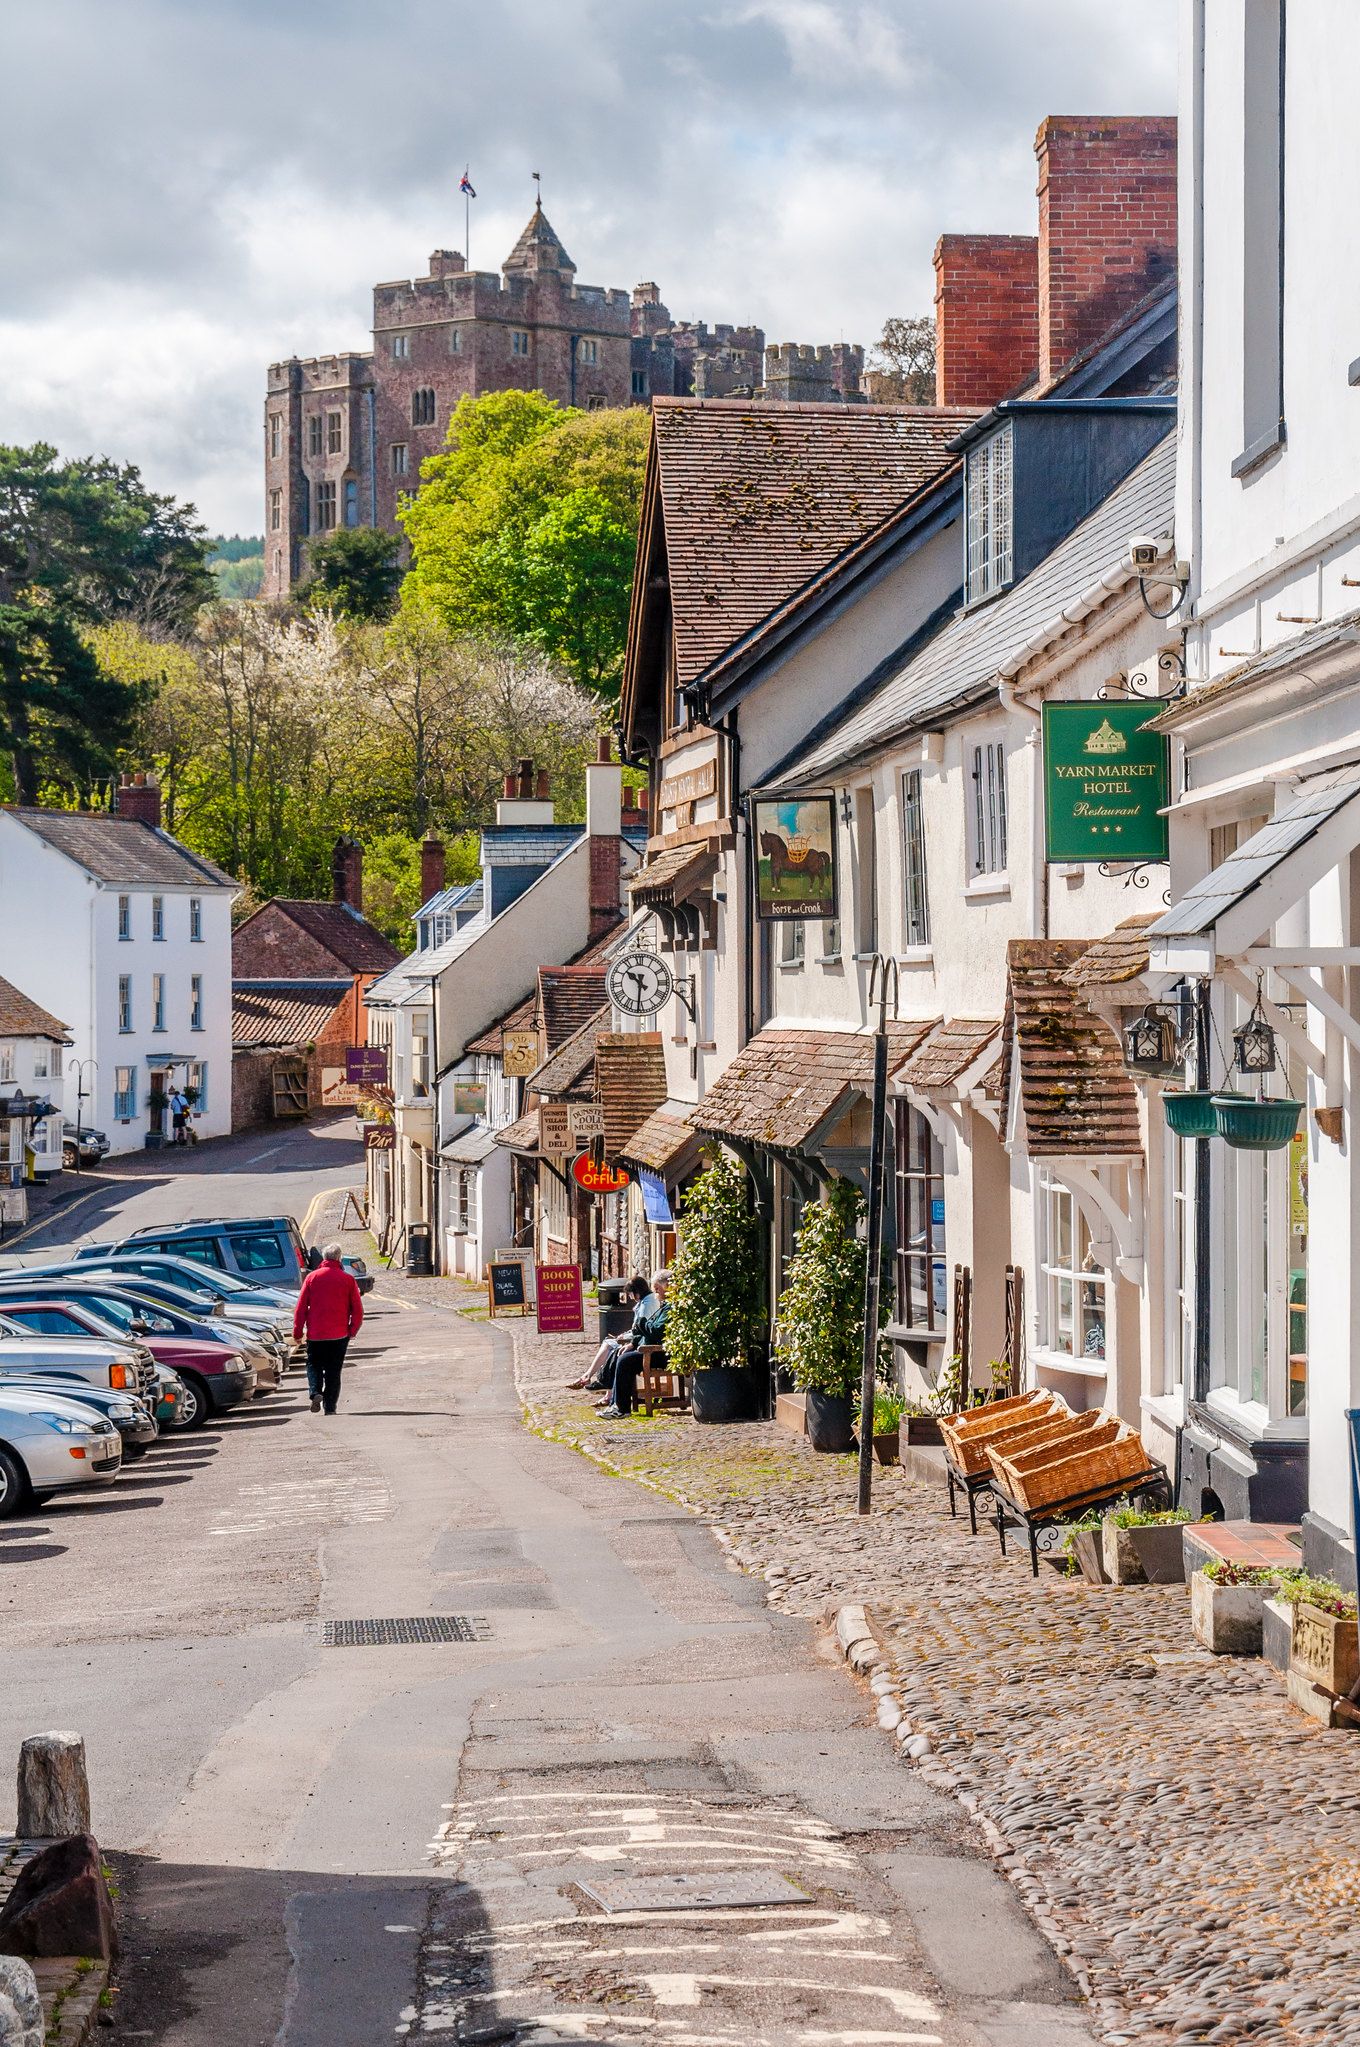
[974,1453]
[967,1437]
[1065,1436]
[1094,1468]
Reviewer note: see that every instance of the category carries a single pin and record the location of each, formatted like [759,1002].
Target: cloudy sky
[193,188]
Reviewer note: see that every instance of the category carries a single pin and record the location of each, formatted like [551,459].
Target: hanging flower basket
[1190,1111]
[1247,1125]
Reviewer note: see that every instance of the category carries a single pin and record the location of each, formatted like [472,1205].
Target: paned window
[6,1062]
[314,434]
[866,876]
[158,1002]
[1073,1303]
[351,501]
[195,919]
[519,341]
[590,351]
[987,812]
[325,507]
[125,1002]
[196,1081]
[40,1060]
[401,347]
[276,433]
[275,510]
[922,1270]
[125,916]
[792,944]
[158,917]
[401,458]
[195,1002]
[125,1093]
[639,383]
[990,516]
[335,433]
[915,902]
[422,408]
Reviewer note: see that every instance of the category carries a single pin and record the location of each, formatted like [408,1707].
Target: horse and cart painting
[795,857]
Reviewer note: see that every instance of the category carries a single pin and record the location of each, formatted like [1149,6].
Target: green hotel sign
[1105,782]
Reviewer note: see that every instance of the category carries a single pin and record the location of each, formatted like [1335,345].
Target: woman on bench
[648,1331]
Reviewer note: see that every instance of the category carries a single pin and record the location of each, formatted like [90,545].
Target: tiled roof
[757,499]
[567,998]
[665,1137]
[1077,1097]
[265,1014]
[787,1082]
[670,874]
[948,1053]
[521,1136]
[630,1080]
[123,849]
[963,660]
[537,234]
[21,1017]
[347,935]
[573,1061]
[1120,956]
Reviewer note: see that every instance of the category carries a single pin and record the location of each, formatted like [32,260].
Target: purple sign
[366,1066]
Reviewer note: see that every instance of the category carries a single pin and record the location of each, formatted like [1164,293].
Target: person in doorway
[649,1331]
[329,1312]
[179,1115]
[597,1378]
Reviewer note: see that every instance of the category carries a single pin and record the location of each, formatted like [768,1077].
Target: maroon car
[214,1377]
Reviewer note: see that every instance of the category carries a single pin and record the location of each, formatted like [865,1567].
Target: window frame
[327,506]
[400,456]
[989,516]
[195,920]
[275,435]
[316,435]
[918,1193]
[125,920]
[158,919]
[125,1098]
[195,1002]
[276,511]
[866,873]
[424,406]
[158,1002]
[399,346]
[519,342]
[988,810]
[915,875]
[1055,1272]
[335,433]
[125,1021]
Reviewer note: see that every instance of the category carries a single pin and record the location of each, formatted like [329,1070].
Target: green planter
[1190,1112]
[1249,1125]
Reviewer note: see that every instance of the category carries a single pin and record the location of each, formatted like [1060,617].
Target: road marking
[255,1159]
[301,1503]
[324,1194]
[57,1215]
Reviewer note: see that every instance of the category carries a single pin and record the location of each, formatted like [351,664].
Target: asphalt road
[340,1847]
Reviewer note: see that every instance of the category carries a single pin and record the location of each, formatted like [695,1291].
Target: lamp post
[82,1096]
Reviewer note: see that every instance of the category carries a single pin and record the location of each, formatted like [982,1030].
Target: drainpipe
[372,456]
[728,727]
[574,339]
[1038,852]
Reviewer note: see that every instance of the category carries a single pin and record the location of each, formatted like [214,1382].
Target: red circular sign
[599,1179]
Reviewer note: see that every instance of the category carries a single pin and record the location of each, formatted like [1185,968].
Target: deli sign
[598,1179]
[1105,782]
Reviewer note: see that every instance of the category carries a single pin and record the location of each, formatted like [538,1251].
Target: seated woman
[628,1364]
[599,1375]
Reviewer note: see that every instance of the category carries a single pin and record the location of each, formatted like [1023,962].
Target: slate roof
[786,1083]
[470,1146]
[1078,1099]
[121,849]
[1241,874]
[21,1017]
[963,660]
[1120,956]
[538,233]
[664,1138]
[521,1135]
[630,1080]
[948,1052]
[758,499]
[267,1014]
[567,998]
[345,932]
[573,1060]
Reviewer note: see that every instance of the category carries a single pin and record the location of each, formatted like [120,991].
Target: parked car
[218,1367]
[169,1397]
[49,1444]
[266,1325]
[355,1267]
[99,1357]
[82,1147]
[266,1249]
[168,1265]
[136,1425]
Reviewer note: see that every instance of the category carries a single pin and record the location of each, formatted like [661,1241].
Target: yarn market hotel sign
[1105,782]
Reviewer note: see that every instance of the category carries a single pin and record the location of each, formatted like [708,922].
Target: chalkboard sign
[505,1287]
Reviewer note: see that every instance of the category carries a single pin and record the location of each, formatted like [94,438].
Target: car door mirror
[139,1325]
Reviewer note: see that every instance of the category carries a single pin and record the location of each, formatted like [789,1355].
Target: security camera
[1146,550]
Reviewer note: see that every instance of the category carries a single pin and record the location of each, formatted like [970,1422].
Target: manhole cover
[695,1893]
[427,1627]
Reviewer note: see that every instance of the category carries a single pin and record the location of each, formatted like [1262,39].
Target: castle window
[275,510]
[455,341]
[422,408]
[351,501]
[276,433]
[519,341]
[987,491]
[595,402]
[639,383]
[314,434]
[401,458]
[401,347]
[325,507]
[590,351]
[334,433]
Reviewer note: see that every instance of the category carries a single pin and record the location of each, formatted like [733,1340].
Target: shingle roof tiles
[278,1013]
[630,1081]
[948,1052]
[787,1082]
[1076,1094]
[21,1017]
[115,849]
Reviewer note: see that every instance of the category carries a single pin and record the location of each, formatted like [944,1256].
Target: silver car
[49,1444]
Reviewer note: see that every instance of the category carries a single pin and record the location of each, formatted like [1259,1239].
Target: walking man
[329,1311]
[179,1115]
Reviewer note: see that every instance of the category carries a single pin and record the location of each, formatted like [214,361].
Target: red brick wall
[1107,225]
[986,316]
[604,884]
[270,946]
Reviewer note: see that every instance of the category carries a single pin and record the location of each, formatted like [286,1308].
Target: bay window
[922,1266]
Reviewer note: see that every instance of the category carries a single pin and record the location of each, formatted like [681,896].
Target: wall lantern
[1255,1042]
[1151,1044]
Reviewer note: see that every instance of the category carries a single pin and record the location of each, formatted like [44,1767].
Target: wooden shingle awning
[1075,1092]
[664,1142]
[948,1055]
[674,883]
[630,1083]
[1119,960]
[521,1136]
[788,1086]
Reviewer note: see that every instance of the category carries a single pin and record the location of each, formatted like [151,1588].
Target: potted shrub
[716,1300]
[889,1415]
[1227,1603]
[1144,1546]
[1085,1550]
[821,1315]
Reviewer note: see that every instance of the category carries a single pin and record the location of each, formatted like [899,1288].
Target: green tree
[80,542]
[392,892]
[904,357]
[715,1304]
[354,573]
[237,581]
[527,526]
[821,1310]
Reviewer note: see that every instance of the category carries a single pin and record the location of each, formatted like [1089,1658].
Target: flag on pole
[466,187]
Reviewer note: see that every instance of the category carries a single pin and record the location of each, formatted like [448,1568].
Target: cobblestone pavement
[1185,1838]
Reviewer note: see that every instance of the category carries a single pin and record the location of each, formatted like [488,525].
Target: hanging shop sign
[519,1054]
[561,1307]
[656,1203]
[600,1179]
[380,1137]
[366,1065]
[554,1127]
[1105,782]
[469,1098]
[795,857]
[586,1120]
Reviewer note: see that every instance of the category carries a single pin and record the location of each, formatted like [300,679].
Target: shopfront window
[922,1267]
[1073,1304]
[1263,1357]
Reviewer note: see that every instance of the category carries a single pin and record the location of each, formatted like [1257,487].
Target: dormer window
[990,508]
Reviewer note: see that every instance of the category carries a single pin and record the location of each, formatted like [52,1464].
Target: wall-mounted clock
[639,983]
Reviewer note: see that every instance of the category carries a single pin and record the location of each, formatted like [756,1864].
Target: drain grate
[425,1627]
[679,1893]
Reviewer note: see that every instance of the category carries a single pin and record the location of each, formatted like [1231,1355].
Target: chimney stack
[528,796]
[633,817]
[542,787]
[604,814]
[431,866]
[986,316]
[138,798]
[347,873]
[1107,225]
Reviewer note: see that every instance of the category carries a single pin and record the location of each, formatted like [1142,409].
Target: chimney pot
[604,753]
[526,778]
[510,785]
[542,787]
[138,798]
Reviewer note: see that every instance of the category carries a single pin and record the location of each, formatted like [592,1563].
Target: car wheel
[68,1156]
[194,1405]
[13,1484]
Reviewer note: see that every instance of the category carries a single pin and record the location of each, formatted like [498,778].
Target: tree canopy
[354,573]
[905,354]
[526,525]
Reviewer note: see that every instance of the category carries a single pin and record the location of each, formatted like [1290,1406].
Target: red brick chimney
[633,816]
[604,797]
[347,872]
[138,798]
[986,316]
[431,866]
[1107,225]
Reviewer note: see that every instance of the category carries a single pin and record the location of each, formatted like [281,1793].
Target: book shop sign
[1105,782]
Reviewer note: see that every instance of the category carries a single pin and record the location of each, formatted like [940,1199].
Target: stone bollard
[54,1791]
[21,2012]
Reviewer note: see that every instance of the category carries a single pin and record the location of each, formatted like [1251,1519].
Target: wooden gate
[1015,1328]
[290,1087]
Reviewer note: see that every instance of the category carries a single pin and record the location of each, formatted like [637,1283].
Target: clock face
[639,983]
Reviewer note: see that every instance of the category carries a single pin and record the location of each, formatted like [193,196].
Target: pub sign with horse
[795,842]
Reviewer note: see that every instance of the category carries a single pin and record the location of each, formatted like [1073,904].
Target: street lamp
[82,1096]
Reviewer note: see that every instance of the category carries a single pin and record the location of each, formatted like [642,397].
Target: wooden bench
[658,1386]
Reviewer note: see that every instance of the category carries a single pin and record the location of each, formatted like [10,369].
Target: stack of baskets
[1009,1424]
[1075,1454]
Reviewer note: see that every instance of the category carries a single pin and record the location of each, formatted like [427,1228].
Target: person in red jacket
[329,1311]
